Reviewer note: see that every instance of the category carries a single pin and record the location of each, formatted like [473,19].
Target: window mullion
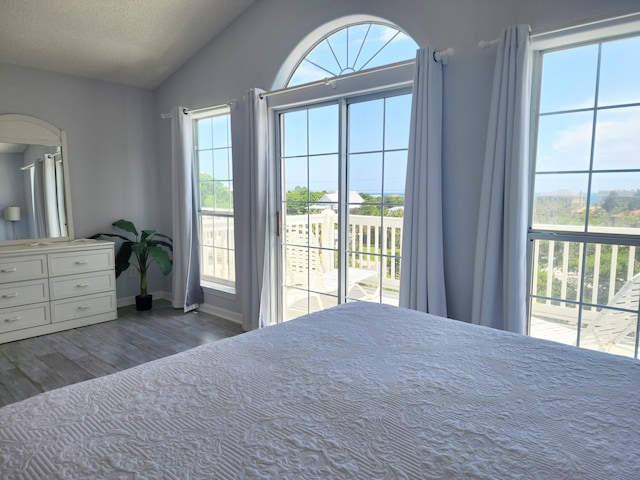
[343,207]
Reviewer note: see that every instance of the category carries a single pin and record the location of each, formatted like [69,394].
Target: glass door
[342,173]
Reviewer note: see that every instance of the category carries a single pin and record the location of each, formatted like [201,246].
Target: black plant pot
[144,303]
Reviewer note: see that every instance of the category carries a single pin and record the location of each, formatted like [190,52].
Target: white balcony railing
[370,242]
[563,280]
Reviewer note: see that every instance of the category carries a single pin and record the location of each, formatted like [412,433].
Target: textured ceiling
[133,42]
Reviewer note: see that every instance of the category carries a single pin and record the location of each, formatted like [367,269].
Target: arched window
[352,49]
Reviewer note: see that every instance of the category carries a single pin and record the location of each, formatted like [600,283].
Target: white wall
[114,169]
[251,51]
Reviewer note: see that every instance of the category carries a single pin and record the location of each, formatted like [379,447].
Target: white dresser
[46,288]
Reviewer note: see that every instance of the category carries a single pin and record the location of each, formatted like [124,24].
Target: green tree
[214,194]
[299,199]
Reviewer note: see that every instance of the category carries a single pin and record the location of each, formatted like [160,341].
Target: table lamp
[12,214]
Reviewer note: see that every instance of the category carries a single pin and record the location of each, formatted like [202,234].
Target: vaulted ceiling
[133,42]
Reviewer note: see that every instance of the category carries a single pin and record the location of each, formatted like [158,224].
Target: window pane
[397,119]
[569,79]
[295,179]
[365,173]
[294,133]
[205,140]
[395,173]
[564,142]
[338,43]
[221,164]
[221,134]
[554,322]
[324,58]
[378,36]
[323,130]
[617,144]
[560,201]
[616,206]
[400,48]
[323,174]
[620,72]
[205,164]
[366,121]
[207,199]
[357,36]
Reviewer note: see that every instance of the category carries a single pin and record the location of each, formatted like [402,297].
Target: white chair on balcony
[305,270]
[610,327]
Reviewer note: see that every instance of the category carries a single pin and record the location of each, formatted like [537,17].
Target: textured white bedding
[359,391]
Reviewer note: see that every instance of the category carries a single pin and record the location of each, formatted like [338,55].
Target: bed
[359,391]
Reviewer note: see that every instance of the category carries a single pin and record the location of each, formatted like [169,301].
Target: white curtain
[60,207]
[254,208]
[422,275]
[187,293]
[39,201]
[499,282]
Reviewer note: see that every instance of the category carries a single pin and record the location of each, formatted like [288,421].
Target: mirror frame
[28,130]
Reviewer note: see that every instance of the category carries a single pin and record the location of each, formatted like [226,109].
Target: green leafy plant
[146,247]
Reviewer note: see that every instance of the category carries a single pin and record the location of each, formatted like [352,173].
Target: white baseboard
[232,316]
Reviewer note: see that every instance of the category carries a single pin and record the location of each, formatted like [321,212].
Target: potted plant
[147,247]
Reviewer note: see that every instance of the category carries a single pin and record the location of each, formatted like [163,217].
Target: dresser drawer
[22,268]
[80,262]
[69,309]
[18,318]
[23,293]
[75,285]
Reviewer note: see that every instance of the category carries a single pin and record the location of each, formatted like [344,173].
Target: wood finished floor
[35,365]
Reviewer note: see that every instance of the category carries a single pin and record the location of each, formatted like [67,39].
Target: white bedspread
[361,391]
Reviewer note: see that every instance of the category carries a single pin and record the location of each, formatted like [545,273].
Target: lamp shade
[12,214]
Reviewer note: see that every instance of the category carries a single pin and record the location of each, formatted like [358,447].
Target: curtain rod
[185,110]
[331,82]
[439,56]
[484,44]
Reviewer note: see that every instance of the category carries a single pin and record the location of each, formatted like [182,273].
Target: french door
[342,168]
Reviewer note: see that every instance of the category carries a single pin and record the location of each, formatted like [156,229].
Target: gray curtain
[187,292]
[254,212]
[499,282]
[422,275]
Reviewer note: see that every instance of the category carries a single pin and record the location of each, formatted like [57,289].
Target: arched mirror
[35,201]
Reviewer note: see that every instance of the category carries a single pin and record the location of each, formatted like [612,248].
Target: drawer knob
[82,262]
[82,285]
[12,319]
[10,295]
[84,307]
[9,270]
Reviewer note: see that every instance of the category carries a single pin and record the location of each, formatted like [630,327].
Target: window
[585,219]
[352,49]
[342,157]
[212,145]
